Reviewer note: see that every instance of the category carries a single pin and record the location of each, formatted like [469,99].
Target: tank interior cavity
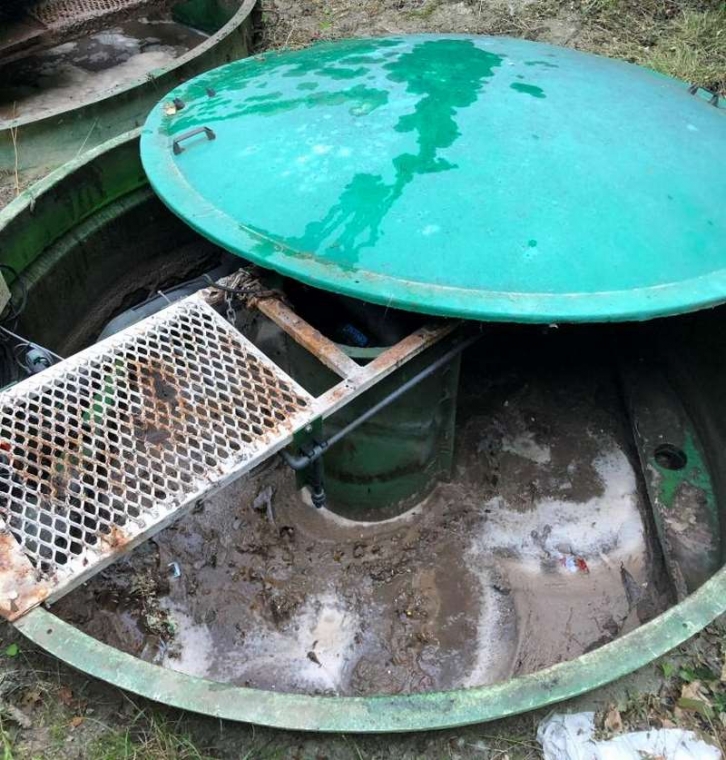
[74,56]
[544,540]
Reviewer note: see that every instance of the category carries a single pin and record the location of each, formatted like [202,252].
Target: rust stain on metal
[20,587]
[169,408]
[116,538]
[164,391]
[308,337]
[411,345]
[125,434]
[383,365]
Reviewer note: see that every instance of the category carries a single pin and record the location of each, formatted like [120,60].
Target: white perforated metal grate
[102,449]
[72,12]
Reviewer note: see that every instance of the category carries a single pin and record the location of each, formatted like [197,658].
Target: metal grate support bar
[102,450]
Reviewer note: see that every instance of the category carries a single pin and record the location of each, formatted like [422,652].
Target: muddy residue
[89,68]
[535,552]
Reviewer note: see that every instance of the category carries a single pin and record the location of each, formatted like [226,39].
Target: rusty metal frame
[383,365]
[24,584]
[21,586]
[25,578]
[356,378]
[383,713]
[308,337]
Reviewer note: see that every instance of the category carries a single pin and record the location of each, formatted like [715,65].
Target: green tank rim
[353,714]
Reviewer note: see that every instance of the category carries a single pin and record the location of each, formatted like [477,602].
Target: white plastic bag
[570,737]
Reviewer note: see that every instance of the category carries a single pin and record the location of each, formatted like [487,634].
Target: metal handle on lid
[177,148]
[713,97]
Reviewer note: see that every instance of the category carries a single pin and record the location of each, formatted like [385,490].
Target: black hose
[12,312]
[302,461]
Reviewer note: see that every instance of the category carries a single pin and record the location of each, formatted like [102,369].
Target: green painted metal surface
[394,460]
[385,713]
[488,178]
[391,462]
[88,237]
[53,210]
[676,474]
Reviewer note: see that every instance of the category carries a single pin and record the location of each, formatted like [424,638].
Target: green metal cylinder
[393,460]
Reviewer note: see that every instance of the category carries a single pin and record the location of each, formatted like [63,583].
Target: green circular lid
[487,178]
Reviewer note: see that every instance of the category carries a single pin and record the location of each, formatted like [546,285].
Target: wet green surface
[489,178]
[115,163]
[696,473]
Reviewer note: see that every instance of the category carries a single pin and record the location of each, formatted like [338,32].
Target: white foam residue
[488,631]
[75,85]
[115,38]
[525,446]
[345,522]
[604,524]
[324,630]
[604,529]
[324,627]
[63,49]
[192,648]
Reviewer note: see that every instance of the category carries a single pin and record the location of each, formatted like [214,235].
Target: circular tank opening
[547,535]
[533,544]
[539,547]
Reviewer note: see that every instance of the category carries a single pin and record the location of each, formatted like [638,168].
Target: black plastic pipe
[302,461]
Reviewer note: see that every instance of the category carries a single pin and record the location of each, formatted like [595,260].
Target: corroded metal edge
[33,588]
[20,587]
[396,713]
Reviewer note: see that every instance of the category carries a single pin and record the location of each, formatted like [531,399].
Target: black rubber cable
[16,311]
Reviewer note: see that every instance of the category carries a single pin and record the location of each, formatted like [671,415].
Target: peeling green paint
[695,473]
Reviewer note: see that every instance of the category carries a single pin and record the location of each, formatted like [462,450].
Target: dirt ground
[50,711]
[478,584]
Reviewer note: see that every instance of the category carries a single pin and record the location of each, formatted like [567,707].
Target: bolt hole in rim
[670,457]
